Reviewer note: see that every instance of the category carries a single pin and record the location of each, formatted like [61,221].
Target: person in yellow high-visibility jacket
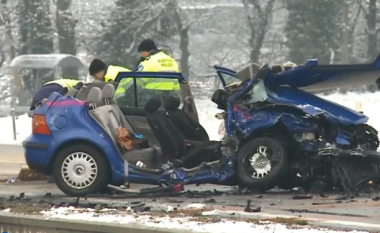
[103,73]
[155,60]
[61,86]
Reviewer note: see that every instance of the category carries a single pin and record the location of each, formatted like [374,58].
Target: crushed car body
[276,135]
[328,143]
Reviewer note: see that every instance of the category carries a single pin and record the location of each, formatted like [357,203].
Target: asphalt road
[360,213]
[11,159]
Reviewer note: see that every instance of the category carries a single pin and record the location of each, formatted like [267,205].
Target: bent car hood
[314,77]
[314,105]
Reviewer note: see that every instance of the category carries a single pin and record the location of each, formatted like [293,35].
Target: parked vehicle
[276,134]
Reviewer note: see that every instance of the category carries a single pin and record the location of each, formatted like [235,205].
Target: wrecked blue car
[276,134]
[288,137]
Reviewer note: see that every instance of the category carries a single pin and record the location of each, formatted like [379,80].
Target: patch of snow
[23,129]
[369,101]
[196,206]
[180,222]
[206,112]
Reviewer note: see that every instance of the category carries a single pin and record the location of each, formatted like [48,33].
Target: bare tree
[6,21]
[183,27]
[258,18]
[371,13]
[215,38]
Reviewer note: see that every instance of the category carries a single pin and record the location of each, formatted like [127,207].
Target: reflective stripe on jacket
[69,83]
[159,61]
[113,71]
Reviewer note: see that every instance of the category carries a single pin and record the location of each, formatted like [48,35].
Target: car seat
[107,118]
[172,142]
[190,129]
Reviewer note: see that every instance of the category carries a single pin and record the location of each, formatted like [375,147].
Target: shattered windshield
[258,93]
[229,79]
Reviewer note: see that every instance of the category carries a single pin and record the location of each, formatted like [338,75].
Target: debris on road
[301,197]
[11,180]
[249,209]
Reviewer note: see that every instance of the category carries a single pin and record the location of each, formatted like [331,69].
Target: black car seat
[190,129]
[172,141]
[107,119]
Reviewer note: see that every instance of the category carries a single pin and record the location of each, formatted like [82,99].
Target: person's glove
[78,86]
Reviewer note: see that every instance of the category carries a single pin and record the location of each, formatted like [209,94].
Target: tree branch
[361,6]
[355,21]
[2,58]
[377,32]
[142,29]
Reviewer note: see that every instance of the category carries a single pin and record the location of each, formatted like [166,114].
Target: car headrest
[95,95]
[108,91]
[172,103]
[152,105]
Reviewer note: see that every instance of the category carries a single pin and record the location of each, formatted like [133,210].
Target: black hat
[147,45]
[96,66]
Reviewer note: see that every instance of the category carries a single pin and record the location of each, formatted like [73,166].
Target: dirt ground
[331,210]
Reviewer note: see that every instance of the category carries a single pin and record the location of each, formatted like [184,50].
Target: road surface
[11,159]
[360,213]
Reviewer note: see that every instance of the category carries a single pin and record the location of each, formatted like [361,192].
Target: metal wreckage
[277,133]
[325,146]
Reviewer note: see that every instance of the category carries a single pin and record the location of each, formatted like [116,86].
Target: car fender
[250,121]
[85,129]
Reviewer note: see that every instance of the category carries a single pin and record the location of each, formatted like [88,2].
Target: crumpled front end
[321,151]
[336,156]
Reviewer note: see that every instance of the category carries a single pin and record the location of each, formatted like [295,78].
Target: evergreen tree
[36,34]
[130,22]
[313,29]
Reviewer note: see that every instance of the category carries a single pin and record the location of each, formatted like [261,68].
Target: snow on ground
[370,102]
[206,110]
[23,129]
[180,222]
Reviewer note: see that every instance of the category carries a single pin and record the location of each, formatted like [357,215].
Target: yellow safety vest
[69,83]
[124,84]
[159,62]
[113,71]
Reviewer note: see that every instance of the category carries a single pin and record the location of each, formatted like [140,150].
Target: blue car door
[226,76]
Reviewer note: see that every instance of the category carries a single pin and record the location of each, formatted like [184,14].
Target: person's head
[97,69]
[145,47]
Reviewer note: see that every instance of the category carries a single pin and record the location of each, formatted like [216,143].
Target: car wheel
[262,163]
[80,170]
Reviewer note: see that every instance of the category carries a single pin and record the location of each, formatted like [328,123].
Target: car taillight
[39,125]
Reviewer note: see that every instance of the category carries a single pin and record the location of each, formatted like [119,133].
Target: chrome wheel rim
[79,170]
[260,163]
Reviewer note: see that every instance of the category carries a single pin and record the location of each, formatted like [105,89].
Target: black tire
[277,172]
[102,178]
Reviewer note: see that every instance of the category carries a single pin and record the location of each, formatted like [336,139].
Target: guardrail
[11,223]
